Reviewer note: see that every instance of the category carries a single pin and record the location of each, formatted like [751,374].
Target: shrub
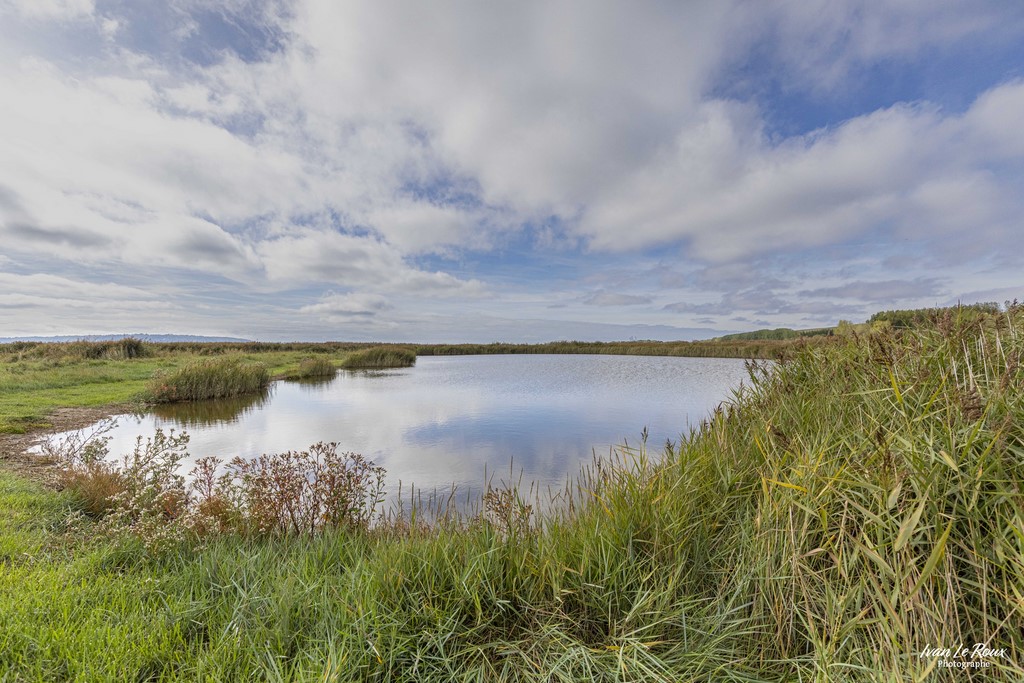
[213,378]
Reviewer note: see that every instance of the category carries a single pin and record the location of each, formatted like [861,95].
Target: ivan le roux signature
[979,650]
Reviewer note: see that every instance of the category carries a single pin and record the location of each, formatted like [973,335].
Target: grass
[380,357]
[849,508]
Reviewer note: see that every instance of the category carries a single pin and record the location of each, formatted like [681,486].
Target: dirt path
[14,455]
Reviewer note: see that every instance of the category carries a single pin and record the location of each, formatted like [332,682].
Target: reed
[380,357]
[310,368]
[211,378]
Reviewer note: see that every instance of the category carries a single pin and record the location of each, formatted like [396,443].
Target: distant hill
[777,333]
[116,337]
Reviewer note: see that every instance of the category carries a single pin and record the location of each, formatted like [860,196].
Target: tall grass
[849,509]
[380,357]
[121,349]
[212,378]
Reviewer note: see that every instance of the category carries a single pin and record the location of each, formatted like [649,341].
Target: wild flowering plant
[506,510]
[298,492]
[146,496]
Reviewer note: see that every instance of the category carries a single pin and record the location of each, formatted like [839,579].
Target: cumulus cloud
[732,193]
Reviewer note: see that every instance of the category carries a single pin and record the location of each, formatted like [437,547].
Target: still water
[448,420]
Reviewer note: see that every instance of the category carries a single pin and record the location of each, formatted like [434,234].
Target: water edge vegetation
[380,357]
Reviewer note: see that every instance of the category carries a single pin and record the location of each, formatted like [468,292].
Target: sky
[516,171]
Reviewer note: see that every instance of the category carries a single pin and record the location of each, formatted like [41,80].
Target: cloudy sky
[521,171]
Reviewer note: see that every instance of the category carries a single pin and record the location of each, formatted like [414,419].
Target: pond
[456,420]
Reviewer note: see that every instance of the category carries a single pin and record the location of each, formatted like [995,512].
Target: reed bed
[380,357]
[211,378]
[848,512]
[314,368]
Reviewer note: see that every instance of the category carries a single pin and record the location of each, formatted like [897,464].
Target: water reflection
[452,419]
[211,413]
[310,383]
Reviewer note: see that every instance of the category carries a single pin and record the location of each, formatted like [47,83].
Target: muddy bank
[14,455]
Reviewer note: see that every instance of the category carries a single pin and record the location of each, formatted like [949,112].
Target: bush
[214,378]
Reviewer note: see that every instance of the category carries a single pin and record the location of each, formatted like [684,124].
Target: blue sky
[462,171]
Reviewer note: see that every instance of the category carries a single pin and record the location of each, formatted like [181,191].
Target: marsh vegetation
[380,357]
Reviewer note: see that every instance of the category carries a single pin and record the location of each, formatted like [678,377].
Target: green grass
[36,379]
[851,506]
[30,390]
[380,357]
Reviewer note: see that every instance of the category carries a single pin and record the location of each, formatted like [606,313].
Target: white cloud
[54,304]
[350,307]
[731,192]
[304,255]
[60,10]
[822,41]
[47,285]
[373,139]
[603,298]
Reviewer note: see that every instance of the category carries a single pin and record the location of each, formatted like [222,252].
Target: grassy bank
[38,378]
[854,506]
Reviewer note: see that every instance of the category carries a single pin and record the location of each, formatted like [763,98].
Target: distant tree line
[779,333]
[915,317]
